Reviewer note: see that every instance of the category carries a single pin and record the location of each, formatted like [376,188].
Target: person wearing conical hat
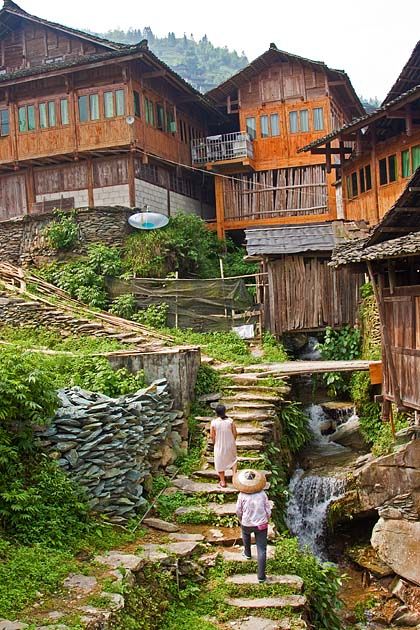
[253,511]
[223,435]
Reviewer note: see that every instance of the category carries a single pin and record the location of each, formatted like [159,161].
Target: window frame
[252,135]
[294,113]
[4,110]
[277,117]
[314,118]
[266,133]
[304,115]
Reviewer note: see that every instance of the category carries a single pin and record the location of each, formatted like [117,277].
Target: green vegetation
[63,232]
[208,381]
[340,345]
[201,63]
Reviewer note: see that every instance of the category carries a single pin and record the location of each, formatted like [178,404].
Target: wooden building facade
[275,105]
[375,155]
[391,255]
[85,121]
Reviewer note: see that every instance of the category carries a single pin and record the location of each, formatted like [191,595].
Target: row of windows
[93,107]
[299,122]
[361,181]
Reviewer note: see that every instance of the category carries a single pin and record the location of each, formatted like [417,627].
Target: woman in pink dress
[223,435]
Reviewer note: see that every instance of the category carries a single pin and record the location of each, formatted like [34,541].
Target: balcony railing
[227,146]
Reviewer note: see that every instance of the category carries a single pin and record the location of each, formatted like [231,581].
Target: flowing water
[311,494]
[310,351]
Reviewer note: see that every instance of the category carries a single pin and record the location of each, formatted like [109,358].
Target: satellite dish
[130,120]
[148,220]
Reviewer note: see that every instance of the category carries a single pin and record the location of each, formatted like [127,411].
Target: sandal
[222,485]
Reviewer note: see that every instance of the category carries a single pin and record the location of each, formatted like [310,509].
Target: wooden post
[220,210]
[386,341]
[222,275]
[176,299]
[30,189]
[373,174]
[91,201]
[131,182]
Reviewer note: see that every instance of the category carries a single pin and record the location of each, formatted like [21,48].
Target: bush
[63,232]
[124,306]
[322,581]
[154,316]
[223,346]
[208,381]
[340,345]
[274,351]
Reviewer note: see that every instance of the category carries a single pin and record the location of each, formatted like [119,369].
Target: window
[31,118]
[4,122]
[304,120]
[275,127]
[265,132]
[26,116]
[348,187]
[52,121]
[64,111]
[368,177]
[251,127]
[415,157]
[137,107]
[392,168]
[109,104]
[293,122]
[362,180]
[150,111]
[405,163]
[318,116]
[354,188]
[383,174]
[160,111]
[170,119]
[43,115]
[94,106]
[83,109]
[23,123]
[120,102]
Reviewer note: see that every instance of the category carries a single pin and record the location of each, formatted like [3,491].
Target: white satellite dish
[130,120]
[148,220]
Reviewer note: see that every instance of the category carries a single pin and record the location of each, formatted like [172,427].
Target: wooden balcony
[224,149]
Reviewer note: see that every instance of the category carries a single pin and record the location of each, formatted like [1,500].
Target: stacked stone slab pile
[110,445]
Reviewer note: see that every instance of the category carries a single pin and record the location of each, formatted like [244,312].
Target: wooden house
[392,257]
[87,122]
[275,105]
[375,155]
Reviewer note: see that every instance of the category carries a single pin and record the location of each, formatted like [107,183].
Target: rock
[367,558]
[157,523]
[83,583]
[209,398]
[285,601]
[117,559]
[12,625]
[219,509]
[116,601]
[348,434]
[406,617]
[259,623]
[236,554]
[157,553]
[397,544]
[407,593]
[186,537]
[196,487]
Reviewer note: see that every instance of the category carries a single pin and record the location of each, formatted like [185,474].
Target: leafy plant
[124,305]
[62,233]
[223,346]
[274,351]
[340,345]
[155,315]
[208,381]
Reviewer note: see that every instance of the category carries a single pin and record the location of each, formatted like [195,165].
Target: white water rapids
[310,495]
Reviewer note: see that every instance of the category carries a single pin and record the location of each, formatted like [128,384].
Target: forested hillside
[200,63]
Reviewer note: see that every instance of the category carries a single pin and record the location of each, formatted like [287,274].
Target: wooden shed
[303,293]
[392,257]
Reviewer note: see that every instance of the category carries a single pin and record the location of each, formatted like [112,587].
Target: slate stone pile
[108,445]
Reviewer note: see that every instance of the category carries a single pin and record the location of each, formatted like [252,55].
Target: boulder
[163,526]
[348,434]
[407,593]
[397,544]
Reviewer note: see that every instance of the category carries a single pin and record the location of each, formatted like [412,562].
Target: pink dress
[224,445]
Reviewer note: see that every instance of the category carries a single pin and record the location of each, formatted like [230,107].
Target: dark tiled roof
[408,245]
[409,76]
[362,121]
[13,9]
[294,239]
[272,55]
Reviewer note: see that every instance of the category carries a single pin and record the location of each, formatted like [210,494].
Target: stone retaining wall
[21,239]
[111,445]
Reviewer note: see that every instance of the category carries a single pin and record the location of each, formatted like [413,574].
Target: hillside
[200,63]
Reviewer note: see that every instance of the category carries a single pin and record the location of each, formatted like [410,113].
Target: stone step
[249,429]
[217,509]
[258,398]
[252,461]
[249,444]
[244,416]
[246,579]
[210,473]
[252,379]
[240,404]
[229,536]
[260,389]
[297,602]
[261,623]
[235,555]
[188,486]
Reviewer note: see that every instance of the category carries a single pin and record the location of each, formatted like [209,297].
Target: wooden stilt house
[391,255]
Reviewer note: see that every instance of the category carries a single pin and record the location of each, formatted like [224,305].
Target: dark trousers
[261,542]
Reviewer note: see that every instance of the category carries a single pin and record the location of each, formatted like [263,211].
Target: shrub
[274,351]
[223,346]
[124,306]
[340,345]
[62,233]
[322,581]
[155,315]
[208,381]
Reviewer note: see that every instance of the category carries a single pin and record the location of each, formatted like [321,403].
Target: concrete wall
[80,197]
[154,196]
[112,196]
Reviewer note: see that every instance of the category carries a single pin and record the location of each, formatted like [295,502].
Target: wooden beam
[328,157]
[331,151]
[154,75]
[131,181]
[395,230]
[90,183]
[408,208]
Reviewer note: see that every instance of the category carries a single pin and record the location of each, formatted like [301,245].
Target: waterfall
[310,495]
[306,515]
[310,351]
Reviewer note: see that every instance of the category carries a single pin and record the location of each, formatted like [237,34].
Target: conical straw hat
[249,481]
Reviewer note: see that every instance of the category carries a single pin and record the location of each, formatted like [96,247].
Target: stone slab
[164,526]
[210,473]
[84,583]
[117,559]
[195,487]
[157,553]
[12,625]
[397,544]
[294,581]
[186,537]
[293,601]
[236,555]
[259,623]
[219,509]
